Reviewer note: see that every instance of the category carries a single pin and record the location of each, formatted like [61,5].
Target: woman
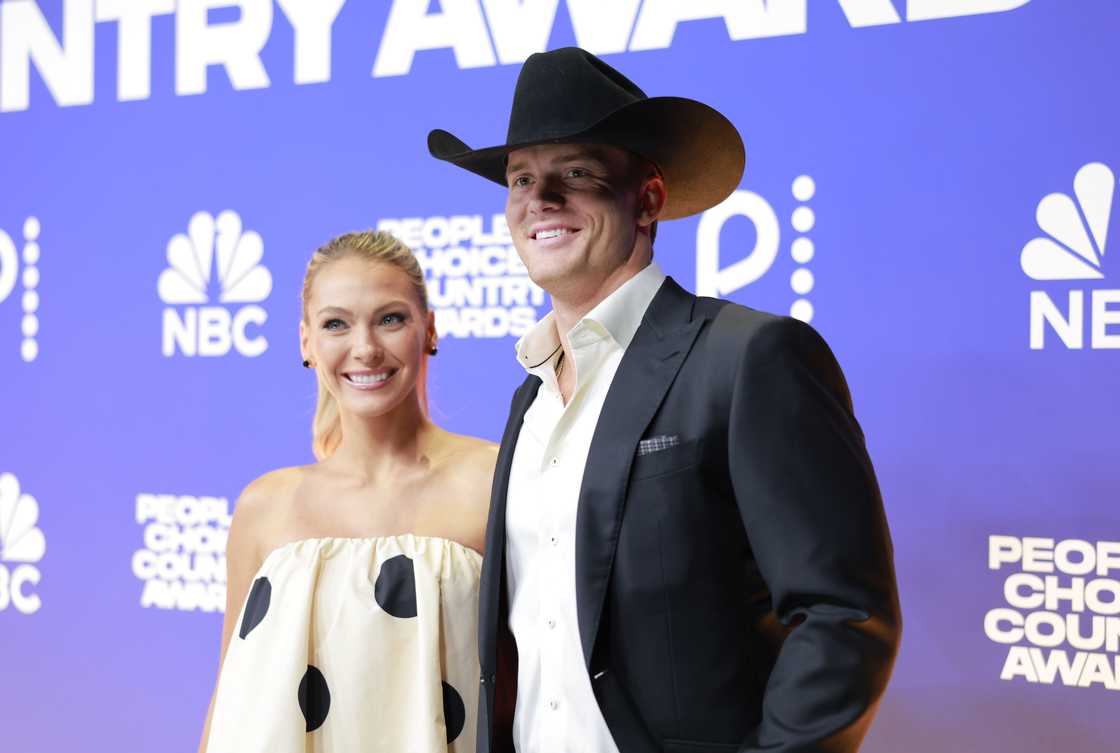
[353,582]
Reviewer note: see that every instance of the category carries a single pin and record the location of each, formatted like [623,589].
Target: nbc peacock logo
[22,545]
[216,260]
[1073,251]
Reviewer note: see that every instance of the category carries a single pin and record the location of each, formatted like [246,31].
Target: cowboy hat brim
[698,151]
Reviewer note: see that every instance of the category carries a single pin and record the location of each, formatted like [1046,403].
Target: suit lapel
[493,564]
[647,370]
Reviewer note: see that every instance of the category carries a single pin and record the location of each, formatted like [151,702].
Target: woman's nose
[367,349]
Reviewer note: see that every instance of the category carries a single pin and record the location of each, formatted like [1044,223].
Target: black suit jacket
[735,590]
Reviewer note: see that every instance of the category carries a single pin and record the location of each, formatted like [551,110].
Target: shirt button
[554,462]
[554,540]
[553,705]
[551,623]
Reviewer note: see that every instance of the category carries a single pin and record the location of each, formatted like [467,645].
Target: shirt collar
[620,314]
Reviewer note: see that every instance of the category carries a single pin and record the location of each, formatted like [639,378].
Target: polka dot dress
[348,645]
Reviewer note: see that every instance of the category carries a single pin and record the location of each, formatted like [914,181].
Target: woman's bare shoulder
[466,477]
[264,508]
[272,489]
[472,458]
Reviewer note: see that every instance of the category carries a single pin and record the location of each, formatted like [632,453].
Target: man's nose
[546,194]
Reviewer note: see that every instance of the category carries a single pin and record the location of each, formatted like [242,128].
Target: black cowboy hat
[571,96]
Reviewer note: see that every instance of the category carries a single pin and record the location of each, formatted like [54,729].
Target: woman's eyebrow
[326,309]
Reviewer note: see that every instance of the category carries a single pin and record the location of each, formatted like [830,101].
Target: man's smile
[551,234]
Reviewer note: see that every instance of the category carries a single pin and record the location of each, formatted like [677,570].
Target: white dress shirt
[556,709]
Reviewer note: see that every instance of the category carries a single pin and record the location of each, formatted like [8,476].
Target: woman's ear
[432,340]
[304,341]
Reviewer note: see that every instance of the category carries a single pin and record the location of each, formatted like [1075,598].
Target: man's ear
[651,201]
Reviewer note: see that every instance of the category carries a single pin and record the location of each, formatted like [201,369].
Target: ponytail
[326,427]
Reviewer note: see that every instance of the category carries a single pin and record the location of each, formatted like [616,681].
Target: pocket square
[657,444]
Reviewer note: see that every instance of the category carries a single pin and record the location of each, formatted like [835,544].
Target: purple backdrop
[929,182]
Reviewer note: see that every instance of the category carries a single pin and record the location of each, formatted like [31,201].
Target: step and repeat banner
[930,183]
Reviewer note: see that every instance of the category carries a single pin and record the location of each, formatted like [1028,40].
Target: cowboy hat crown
[570,96]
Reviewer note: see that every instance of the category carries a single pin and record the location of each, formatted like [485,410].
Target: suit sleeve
[808,497]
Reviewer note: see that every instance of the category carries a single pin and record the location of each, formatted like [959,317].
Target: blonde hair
[375,246]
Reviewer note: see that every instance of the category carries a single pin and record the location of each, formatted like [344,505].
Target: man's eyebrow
[583,155]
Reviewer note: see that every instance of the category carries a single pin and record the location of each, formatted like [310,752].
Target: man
[686,548]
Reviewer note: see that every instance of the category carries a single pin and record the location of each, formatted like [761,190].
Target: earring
[306,364]
[433,350]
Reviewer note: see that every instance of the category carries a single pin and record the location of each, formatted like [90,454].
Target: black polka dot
[256,607]
[395,589]
[314,698]
[454,712]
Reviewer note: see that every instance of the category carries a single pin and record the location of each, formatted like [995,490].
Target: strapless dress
[354,646]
